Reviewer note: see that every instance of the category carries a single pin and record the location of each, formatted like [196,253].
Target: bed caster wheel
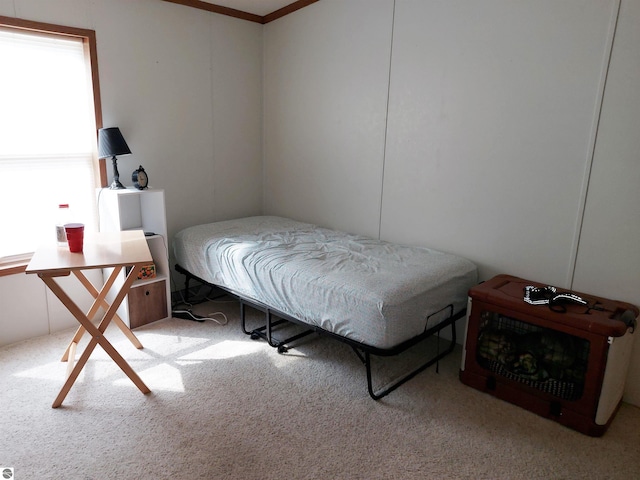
[254,336]
[282,349]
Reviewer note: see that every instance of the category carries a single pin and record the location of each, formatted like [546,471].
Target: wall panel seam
[584,190]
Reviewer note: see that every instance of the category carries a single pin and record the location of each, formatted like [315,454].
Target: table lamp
[112,143]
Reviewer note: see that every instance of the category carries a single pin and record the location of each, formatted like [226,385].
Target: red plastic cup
[75,236]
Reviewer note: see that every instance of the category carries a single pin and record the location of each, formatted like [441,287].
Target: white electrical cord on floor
[189,315]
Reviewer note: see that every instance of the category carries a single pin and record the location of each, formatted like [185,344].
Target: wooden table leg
[100,301]
[71,356]
[97,336]
[112,352]
[92,311]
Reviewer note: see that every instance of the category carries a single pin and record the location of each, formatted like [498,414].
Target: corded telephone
[549,296]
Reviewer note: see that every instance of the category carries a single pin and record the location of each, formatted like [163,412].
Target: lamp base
[116,185]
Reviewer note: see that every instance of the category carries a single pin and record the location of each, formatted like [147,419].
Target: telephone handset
[539,295]
[549,296]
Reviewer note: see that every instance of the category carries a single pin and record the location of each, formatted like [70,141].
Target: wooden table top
[101,249]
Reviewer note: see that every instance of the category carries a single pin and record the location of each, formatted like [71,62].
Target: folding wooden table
[115,250]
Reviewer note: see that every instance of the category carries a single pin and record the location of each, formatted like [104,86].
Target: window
[48,122]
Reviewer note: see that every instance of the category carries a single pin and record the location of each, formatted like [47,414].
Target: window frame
[88,38]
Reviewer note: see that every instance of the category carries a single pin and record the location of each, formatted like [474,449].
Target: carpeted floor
[224,406]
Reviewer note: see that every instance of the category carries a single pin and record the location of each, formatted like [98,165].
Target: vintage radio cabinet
[568,366]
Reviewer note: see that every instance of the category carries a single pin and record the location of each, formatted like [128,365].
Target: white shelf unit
[148,300]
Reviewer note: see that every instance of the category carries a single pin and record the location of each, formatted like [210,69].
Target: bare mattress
[373,292]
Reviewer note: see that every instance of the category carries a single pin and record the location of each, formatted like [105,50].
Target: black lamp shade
[111,143]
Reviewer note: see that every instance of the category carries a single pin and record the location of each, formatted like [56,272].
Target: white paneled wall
[28,309]
[326,74]
[608,259]
[491,130]
[491,114]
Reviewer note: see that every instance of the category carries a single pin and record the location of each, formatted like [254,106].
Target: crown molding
[287,10]
[232,12]
[210,7]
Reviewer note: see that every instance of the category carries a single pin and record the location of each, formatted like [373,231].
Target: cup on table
[75,236]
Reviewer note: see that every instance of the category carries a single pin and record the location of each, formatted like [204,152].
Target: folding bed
[379,297]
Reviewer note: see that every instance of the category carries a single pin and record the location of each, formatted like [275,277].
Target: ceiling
[256,7]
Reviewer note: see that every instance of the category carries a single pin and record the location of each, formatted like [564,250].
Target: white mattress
[374,292]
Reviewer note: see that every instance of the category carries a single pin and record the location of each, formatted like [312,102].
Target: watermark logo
[7,473]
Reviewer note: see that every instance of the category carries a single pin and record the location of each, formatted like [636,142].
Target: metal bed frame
[363,351]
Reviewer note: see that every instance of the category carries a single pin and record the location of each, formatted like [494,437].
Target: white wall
[185,88]
[326,78]
[487,139]
[28,309]
[608,259]
[491,111]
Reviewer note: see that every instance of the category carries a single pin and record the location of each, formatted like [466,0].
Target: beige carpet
[226,407]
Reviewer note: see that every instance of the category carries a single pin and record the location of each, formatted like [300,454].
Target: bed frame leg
[269,324]
[385,391]
[242,318]
[264,331]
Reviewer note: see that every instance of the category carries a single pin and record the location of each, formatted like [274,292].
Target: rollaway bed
[378,297]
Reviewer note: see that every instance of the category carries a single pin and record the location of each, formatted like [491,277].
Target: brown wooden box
[147,303]
[585,392]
